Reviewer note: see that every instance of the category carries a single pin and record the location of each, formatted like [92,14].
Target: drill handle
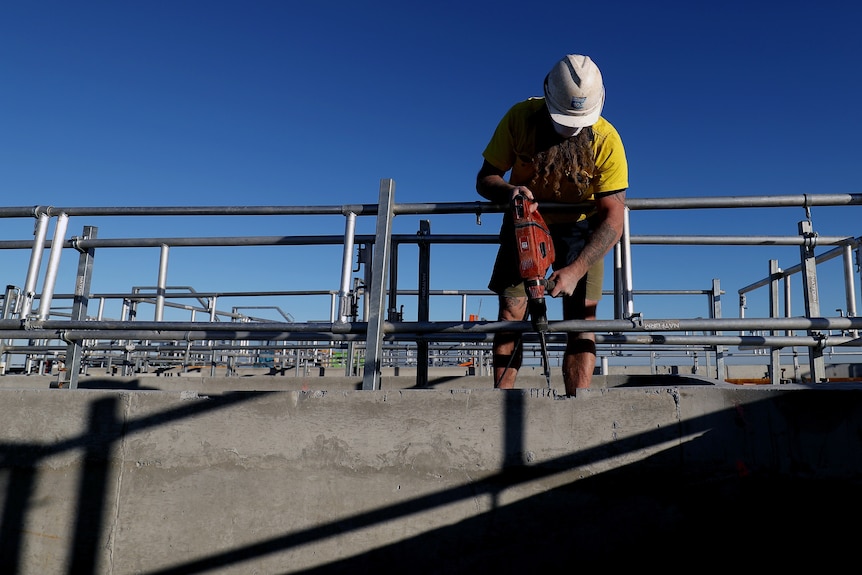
[545,283]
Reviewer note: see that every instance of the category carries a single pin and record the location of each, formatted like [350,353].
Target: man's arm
[611,214]
[492,186]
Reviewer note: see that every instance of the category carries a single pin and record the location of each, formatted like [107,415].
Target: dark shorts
[569,241]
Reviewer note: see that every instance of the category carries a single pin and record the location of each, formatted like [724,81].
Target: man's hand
[492,186]
[565,281]
[531,203]
[611,213]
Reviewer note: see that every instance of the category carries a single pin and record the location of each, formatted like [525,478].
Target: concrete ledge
[217,385]
[430,481]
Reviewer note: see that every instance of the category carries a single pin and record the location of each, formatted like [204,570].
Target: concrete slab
[150,481]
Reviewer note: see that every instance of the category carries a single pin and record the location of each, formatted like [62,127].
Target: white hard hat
[574,92]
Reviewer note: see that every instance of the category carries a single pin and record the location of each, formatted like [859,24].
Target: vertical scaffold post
[716,313]
[424,305]
[812,298]
[346,267]
[788,312]
[162,282]
[25,303]
[10,300]
[850,285]
[393,284]
[377,299]
[53,265]
[623,290]
[775,276]
[74,350]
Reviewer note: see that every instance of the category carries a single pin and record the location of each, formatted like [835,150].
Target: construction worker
[558,149]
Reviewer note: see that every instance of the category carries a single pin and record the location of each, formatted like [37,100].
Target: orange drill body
[535,248]
[535,256]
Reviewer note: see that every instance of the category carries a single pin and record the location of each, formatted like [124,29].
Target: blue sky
[133,103]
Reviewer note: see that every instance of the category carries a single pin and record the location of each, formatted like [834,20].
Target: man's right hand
[491,185]
[531,203]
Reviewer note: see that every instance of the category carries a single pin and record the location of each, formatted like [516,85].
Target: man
[559,149]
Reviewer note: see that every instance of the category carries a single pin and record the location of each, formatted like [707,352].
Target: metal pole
[424,304]
[53,265]
[789,333]
[627,266]
[812,298]
[850,284]
[75,349]
[8,310]
[393,284]
[162,283]
[380,267]
[346,267]
[25,306]
[715,296]
[775,356]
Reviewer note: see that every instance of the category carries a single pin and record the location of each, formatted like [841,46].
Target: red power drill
[535,255]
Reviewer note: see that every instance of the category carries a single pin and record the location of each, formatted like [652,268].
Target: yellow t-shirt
[513,146]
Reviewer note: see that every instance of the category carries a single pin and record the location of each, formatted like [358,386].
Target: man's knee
[506,339]
[578,345]
[575,308]
[507,360]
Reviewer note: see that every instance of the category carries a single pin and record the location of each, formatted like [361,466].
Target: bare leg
[579,361]
[507,353]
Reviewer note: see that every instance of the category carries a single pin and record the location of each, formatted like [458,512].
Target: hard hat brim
[568,119]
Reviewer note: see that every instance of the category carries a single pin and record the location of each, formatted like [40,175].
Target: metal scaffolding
[365,331]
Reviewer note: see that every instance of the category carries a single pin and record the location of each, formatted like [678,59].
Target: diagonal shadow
[637,507]
[637,504]
[105,428]
[18,492]
[550,516]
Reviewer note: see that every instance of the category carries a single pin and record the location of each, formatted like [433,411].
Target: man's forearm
[605,236]
[494,188]
[492,185]
[600,243]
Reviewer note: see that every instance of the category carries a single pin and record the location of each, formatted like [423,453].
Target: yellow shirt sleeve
[501,150]
[612,169]
[513,139]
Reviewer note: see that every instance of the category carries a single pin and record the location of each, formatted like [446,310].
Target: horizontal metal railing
[85,329]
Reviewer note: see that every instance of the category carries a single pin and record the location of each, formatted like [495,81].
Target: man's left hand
[565,280]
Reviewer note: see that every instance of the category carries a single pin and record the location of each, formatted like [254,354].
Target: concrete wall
[421,480]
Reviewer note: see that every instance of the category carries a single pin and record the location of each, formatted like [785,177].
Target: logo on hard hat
[578,103]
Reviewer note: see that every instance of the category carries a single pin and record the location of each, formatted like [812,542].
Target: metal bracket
[363,256]
[74,240]
[810,240]
[807,205]
[822,341]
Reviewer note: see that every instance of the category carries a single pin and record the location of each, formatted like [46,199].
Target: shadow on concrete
[629,380]
[108,383]
[739,501]
[438,382]
[21,461]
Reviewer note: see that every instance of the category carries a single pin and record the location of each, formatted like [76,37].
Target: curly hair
[565,169]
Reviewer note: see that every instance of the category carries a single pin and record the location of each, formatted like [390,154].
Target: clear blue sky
[214,102]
